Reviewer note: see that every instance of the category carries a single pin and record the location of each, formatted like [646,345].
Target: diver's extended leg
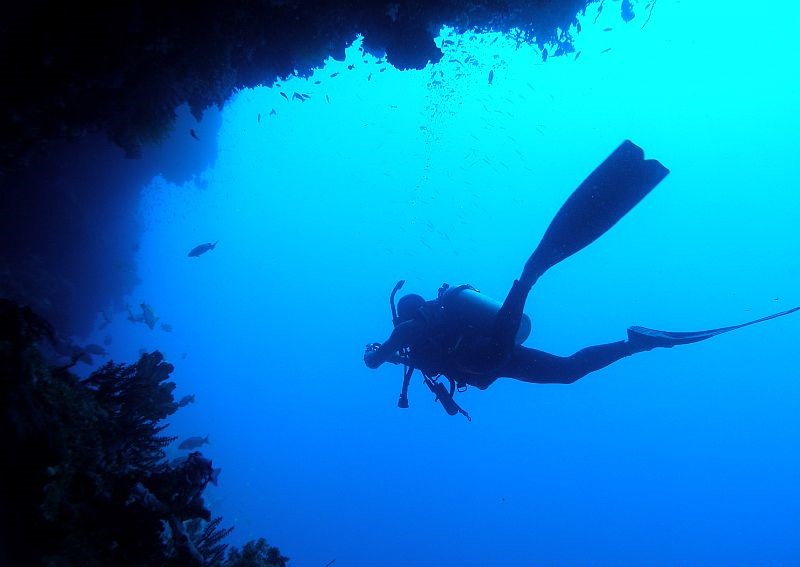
[509,316]
[646,338]
[531,365]
[604,197]
[614,188]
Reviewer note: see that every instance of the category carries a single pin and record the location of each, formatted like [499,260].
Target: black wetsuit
[436,346]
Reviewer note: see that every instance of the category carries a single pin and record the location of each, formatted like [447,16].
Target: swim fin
[605,196]
[643,338]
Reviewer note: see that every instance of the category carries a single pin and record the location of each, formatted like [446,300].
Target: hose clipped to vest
[403,401]
[445,398]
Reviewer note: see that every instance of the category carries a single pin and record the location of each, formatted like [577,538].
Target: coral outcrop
[86,481]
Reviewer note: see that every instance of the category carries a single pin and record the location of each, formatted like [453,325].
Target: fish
[95,349]
[283,94]
[599,11]
[166,327]
[491,76]
[578,54]
[201,249]
[334,74]
[259,118]
[369,77]
[215,475]
[186,400]
[272,112]
[148,315]
[197,458]
[606,50]
[317,82]
[351,67]
[328,99]
[194,134]
[544,55]
[107,340]
[80,355]
[194,442]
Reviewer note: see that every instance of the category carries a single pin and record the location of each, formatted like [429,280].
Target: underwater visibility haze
[262,276]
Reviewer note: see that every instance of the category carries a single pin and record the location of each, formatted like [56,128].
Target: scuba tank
[468,308]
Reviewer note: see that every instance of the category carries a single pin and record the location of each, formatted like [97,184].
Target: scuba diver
[473,340]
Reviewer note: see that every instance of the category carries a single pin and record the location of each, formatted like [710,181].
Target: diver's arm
[400,338]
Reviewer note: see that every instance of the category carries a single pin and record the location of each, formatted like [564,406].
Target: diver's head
[408,305]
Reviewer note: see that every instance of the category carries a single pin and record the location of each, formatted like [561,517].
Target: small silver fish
[186,400]
[201,249]
[95,349]
[148,315]
[194,442]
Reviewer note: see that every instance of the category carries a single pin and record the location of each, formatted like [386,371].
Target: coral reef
[80,74]
[122,68]
[88,482]
[256,554]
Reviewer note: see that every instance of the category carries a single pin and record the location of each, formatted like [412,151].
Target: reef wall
[86,480]
[81,74]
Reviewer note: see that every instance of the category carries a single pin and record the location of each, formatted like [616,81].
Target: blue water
[686,456]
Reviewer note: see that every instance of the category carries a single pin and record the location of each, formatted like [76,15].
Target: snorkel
[398,286]
[407,370]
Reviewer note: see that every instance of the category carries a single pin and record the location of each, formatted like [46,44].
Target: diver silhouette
[473,340]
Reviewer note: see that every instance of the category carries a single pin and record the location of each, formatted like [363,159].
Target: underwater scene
[582,260]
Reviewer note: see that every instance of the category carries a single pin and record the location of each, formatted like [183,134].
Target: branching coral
[256,554]
[208,539]
[88,483]
[136,398]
